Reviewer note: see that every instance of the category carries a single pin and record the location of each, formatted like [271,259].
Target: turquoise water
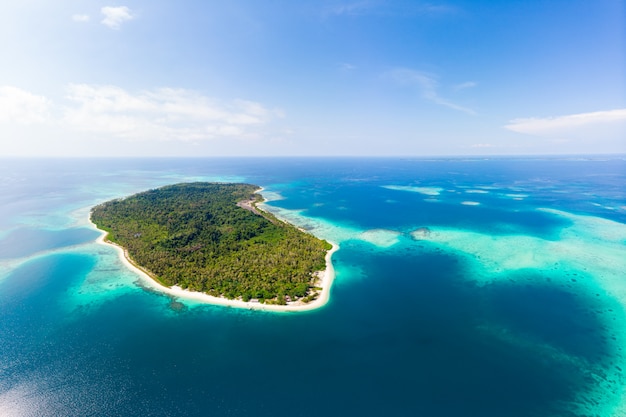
[511,305]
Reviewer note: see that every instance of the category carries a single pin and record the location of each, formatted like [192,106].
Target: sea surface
[465,287]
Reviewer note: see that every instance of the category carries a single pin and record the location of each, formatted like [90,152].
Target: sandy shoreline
[325,277]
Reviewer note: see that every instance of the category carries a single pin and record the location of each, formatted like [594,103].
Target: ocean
[464,287]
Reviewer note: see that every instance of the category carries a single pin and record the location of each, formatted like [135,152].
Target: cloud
[161,114]
[346,67]
[22,107]
[352,8]
[428,86]
[593,132]
[464,86]
[115,16]
[80,18]
[382,7]
[566,124]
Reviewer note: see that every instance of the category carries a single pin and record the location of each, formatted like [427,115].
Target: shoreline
[325,280]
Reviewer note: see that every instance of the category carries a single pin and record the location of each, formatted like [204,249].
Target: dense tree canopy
[210,237]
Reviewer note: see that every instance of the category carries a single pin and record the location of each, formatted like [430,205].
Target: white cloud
[161,114]
[80,18]
[386,8]
[115,16]
[352,8]
[593,132]
[566,124]
[464,86]
[428,86]
[346,67]
[22,107]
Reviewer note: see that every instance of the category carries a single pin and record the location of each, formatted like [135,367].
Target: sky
[312,77]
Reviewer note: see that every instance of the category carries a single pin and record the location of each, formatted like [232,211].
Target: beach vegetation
[212,238]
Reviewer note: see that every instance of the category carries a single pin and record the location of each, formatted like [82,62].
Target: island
[212,241]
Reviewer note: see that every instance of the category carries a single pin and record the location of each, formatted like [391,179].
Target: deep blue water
[410,330]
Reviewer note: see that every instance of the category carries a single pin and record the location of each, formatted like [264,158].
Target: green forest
[210,237]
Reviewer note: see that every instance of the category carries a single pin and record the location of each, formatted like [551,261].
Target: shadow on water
[37,284]
[560,317]
[407,339]
[439,338]
[24,242]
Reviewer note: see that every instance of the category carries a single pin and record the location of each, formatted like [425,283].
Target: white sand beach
[325,280]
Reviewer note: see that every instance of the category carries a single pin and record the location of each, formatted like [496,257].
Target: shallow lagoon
[512,306]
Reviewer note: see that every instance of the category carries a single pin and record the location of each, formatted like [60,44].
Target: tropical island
[212,238]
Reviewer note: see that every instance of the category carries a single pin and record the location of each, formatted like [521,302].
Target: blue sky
[282,77]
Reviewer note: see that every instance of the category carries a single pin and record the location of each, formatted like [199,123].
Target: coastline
[325,280]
